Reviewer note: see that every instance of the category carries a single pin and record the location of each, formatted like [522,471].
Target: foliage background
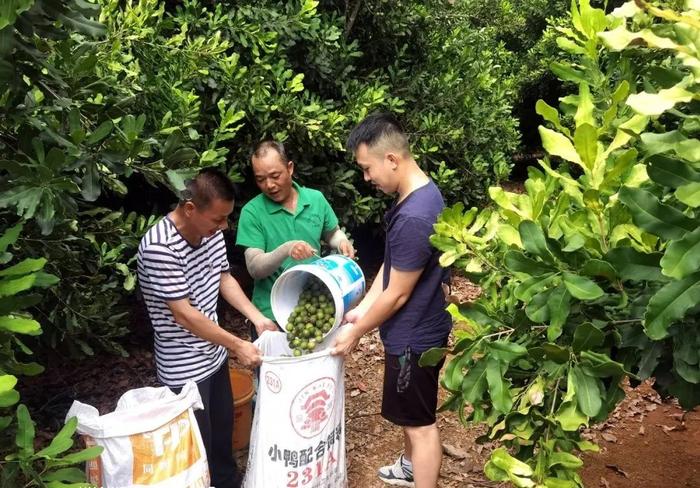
[591,275]
[108,105]
[105,102]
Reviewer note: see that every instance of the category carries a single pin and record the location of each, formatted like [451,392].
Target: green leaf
[587,446]
[598,267]
[517,262]
[587,336]
[584,110]
[25,198]
[20,325]
[60,484]
[682,257]
[508,463]
[568,461]
[533,240]
[10,237]
[558,144]
[621,92]
[79,457]
[25,431]
[172,143]
[559,483]
[670,304]
[688,394]
[531,286]
[570,46]
[13,286]
[70,475]
[506,351]
[689,194]
[102,131]
[657,103]
[11,9]
[581,287]
[475,315]
[62,442]
[600,365]
[551,351]
[7,382]
[494,473]
[634,265]
[559,308]
[182,154]
[77,21]
[498,386]
[91,187]
[474,383]
[690,373]
[453,376]
[550,114]
[586,144]
[674,141]
[587,392]
[671,172]
[28,369]
[177,178]
[448,257]
[26,266]
[567,72]
[432,356]
[569,417]
[654,216]
[538,308]
[649,360]
[8,398]
[45,280]
[622,163]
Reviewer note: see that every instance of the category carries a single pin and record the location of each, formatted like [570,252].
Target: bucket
[243,390]
[341,275]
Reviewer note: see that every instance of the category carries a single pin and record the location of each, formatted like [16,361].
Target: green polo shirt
[266,225]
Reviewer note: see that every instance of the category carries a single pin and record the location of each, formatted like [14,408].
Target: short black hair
[208,185]
[264,146]
[378,127]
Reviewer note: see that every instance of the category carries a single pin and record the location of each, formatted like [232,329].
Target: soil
[646,443]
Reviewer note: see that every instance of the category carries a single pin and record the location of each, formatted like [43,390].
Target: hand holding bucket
[301,250]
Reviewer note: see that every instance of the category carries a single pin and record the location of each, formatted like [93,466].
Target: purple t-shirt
[422,322]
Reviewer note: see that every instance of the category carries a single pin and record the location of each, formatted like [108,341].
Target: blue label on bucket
[327,263]
[353,271]
[349,298]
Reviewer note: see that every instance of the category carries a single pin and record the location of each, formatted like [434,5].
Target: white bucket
[341,275]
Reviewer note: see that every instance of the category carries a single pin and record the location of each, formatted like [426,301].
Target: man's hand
[265,324]
[301,250]
[346,249]
[353,315]
[248,354]
[345,341]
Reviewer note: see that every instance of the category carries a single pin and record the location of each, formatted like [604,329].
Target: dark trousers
[216,426]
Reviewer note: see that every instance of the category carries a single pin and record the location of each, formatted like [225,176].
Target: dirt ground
[646,443]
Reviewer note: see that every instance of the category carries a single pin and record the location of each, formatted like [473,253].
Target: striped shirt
[169,269]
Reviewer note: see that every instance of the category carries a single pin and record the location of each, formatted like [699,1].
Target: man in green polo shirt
[283,225]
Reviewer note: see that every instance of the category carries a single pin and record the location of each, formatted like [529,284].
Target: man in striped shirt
[182,269]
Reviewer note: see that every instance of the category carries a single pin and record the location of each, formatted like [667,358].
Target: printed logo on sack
[312,406]
[273,382]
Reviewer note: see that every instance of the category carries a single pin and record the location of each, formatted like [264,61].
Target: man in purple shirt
[405,301]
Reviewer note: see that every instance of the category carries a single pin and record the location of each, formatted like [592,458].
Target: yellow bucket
[243,390]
